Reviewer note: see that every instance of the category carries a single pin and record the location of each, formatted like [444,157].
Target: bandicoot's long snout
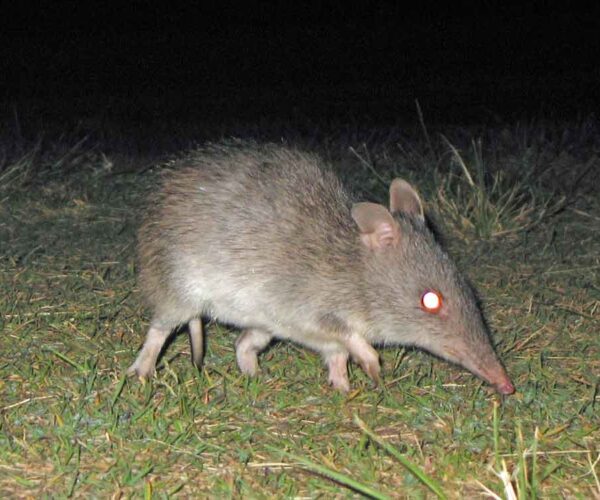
[479,358]
[506,388]
[497,377]
[503,384]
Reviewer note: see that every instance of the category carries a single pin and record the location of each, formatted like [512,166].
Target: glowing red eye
[431,301]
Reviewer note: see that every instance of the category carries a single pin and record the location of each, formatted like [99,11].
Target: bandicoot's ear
[404,198]
[378,229]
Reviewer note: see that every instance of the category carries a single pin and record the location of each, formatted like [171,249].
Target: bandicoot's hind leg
[196,342]
[247,347]
[145,364]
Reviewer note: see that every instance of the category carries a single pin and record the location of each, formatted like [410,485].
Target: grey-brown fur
[265,238]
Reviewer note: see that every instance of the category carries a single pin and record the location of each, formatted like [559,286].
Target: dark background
[364,61]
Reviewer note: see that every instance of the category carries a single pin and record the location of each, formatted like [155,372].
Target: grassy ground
[518,207]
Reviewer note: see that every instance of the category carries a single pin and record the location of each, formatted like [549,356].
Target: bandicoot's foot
[137,369]
[247,347]
[338,372]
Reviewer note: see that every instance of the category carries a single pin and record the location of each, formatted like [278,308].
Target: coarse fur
[266,238]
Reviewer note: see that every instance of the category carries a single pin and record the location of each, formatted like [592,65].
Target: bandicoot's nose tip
[506,388]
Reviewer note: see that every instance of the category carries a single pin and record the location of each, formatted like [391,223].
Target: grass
[519,209]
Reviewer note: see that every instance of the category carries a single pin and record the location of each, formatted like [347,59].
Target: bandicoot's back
[265,217]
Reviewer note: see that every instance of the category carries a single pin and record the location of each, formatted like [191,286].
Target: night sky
[336,61]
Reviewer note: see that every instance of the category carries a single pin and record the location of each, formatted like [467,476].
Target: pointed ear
[404,198]
[378,229]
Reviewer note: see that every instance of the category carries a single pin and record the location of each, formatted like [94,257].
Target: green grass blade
[428,481]
[67,360]
[338,477]
[118,391]
[496,421]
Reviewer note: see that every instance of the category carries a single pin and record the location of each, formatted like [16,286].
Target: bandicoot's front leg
[364,354]
[337,364]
